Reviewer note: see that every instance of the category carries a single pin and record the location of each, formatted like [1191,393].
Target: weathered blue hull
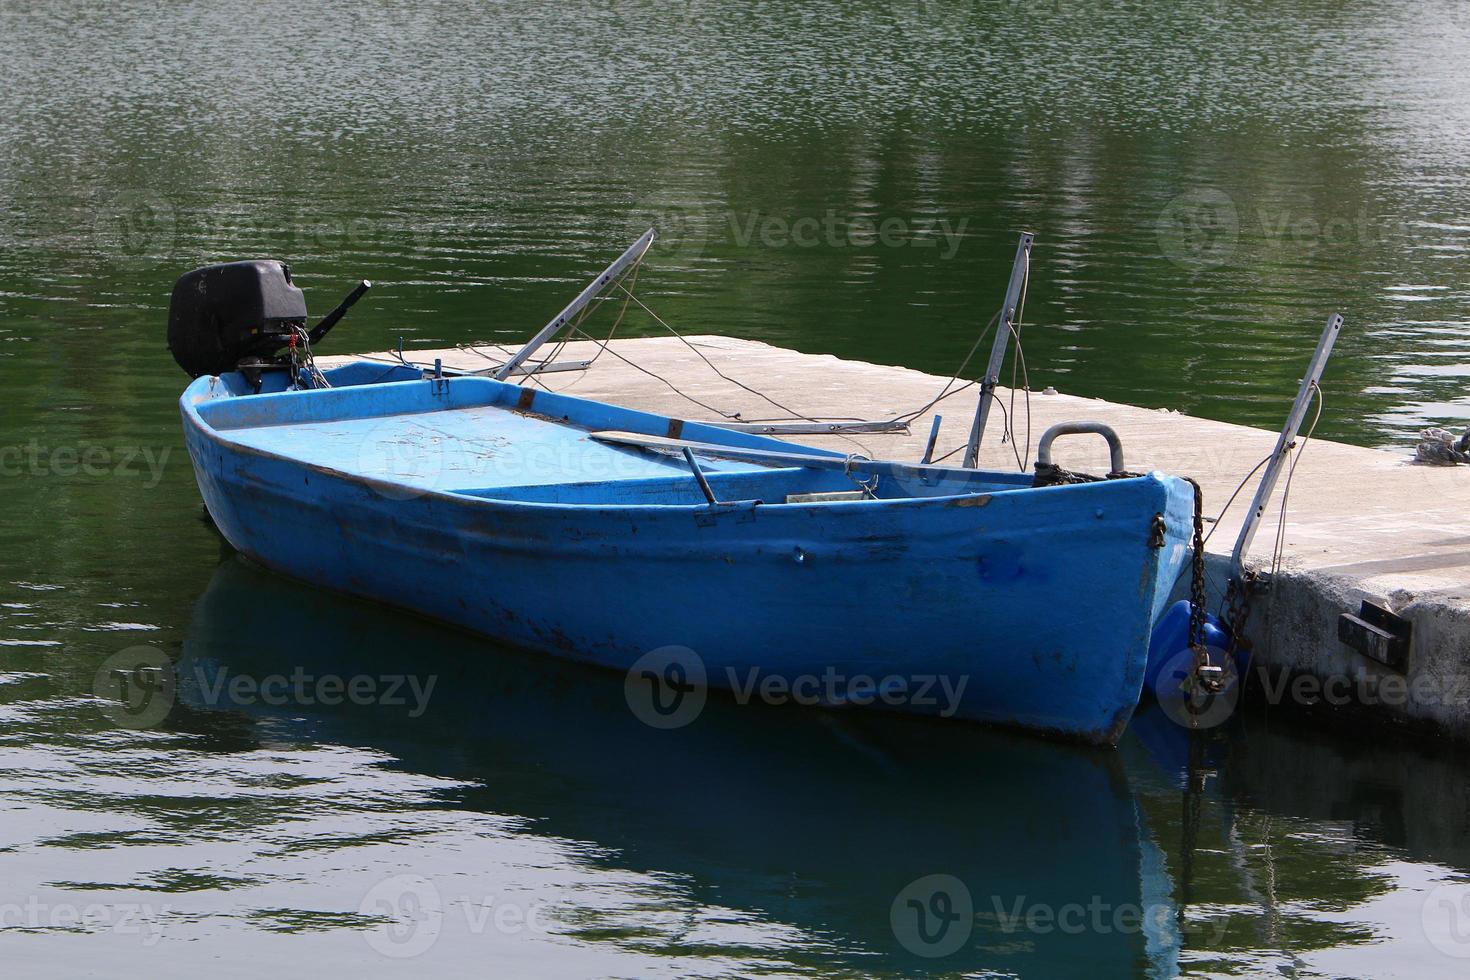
[485,505]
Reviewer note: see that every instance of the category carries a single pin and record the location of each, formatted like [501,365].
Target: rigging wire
[945,392]
[965,445]
[627,284]
[1020,358]
[1286,491]
[759,394]
[1238,487]
[665,381]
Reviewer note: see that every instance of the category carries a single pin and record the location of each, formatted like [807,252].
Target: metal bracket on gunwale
[544,367]
[810,428]
[1003,327]
[609,275]
[1284,443]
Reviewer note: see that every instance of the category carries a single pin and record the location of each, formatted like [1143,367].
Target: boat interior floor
[471,443]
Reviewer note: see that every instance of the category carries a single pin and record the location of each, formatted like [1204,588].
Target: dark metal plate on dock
[1378,635]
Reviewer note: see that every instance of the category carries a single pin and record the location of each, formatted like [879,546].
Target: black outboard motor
[223,314]
[238,315]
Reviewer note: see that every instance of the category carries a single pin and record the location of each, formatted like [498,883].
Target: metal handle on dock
[1115,445]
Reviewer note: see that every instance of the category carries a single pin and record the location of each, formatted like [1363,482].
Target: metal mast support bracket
[810,428]
[1003,329]
[1284,443]
[609,275]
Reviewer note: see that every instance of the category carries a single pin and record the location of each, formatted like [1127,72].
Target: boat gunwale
[406,491]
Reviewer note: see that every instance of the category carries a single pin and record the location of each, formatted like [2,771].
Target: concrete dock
[1362,524]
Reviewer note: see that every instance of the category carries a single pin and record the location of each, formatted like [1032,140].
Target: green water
[1206,184]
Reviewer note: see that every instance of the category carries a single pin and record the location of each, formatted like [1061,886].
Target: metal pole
[933,440]
[586,296]
[1284,443]
[998,348]
[704,487]
[846,464]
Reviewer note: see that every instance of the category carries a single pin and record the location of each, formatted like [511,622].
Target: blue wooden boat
[491,506]
[585,530]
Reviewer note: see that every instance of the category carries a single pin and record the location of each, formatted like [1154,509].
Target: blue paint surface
[487,505]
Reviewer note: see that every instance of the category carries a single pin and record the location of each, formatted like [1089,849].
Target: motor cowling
[223,314]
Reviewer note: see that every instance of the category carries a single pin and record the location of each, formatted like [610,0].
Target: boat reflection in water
[865,841]
[878,840]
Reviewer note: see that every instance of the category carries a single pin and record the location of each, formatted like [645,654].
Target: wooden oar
[847,464]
